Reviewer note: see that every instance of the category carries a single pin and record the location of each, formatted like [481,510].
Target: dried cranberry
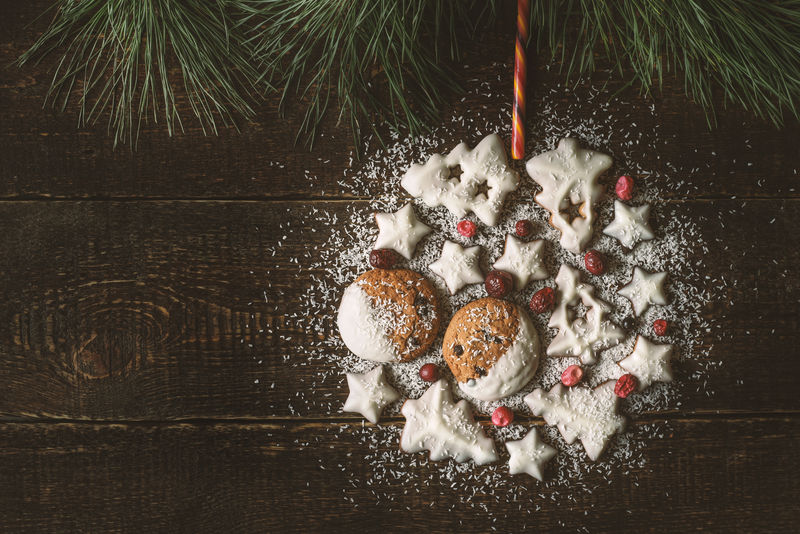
[467,228]
[383,258]
[429,372]
[543,300]
[594,262]
[625,386]
[572,375]
[523,228]
[502,416]
[660,327]
[499,284]
[624,188]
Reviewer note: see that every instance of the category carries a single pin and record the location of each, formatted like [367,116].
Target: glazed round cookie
[492,348]
[389,315]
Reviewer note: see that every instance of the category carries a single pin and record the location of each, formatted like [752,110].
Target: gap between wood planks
[671,416]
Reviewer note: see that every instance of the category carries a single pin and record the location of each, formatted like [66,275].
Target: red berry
[594,262]
[624,188]
[383,258]
[572,375]
[467,228]
[543,300]
[660,327]
[523,228]
[429,372]
[502,416]
[499,284]
[625,386]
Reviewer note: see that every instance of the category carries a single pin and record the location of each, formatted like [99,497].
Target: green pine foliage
[392,61]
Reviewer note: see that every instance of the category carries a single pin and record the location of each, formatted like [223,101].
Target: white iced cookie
[630,225]
[400,231]
[529,455]
[439,184]
[589,415]
[523,260]
[582,337]
[389,315]
[649,362]
[644,289]
[446,429]
[369,394]
[458,266]
[568,175]
[492,348]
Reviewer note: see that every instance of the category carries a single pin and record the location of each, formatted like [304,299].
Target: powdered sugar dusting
[678,249]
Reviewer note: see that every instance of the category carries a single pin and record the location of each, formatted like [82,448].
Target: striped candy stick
[520,76]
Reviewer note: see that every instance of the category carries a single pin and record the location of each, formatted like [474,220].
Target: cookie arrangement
[492,347]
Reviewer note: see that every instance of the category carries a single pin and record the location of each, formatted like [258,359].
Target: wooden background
[131,311]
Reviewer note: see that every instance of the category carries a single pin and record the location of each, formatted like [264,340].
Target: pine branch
[749,48]
[117,55]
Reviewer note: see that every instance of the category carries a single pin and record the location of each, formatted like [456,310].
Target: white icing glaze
[400,231]
[580,413]
[361,327]
[458,266]
[644,289]
[486,163]
[529,455]
[513,370]
[567,175]
[630,225]
[369,394]
[523,260]
[447,430]
[582,337]
[649,362]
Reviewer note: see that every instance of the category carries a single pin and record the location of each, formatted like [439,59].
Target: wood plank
[43,155]
[717,475]
[156,310]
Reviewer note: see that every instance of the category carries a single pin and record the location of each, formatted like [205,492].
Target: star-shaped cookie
[644,289]
[630,224]
[649,362]
[458,266]
[369,394]
[447,429]
[400,231]
[523,260]
[529,455]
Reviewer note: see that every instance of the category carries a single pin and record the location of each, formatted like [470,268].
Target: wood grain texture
[706,474]
[170,310]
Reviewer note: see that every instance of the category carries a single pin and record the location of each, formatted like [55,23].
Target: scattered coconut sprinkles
[678,249]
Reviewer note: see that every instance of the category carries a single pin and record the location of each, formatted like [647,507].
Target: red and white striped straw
[520,76]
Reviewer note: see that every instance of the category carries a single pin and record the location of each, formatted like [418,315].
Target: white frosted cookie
[446,429]
[439,184]
[589,415]
[649,362]
[400,231]
[529,455]
[568,175]
[585,336]
[369,394]
[630,225]
[644,289]
[389,315]
[525,261]
[458,266]
[492,348]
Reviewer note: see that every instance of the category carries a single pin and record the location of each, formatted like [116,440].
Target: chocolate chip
[480,371]
[413,342]
[458,350]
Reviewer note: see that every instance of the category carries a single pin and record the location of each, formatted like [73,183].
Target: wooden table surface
[133,320]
